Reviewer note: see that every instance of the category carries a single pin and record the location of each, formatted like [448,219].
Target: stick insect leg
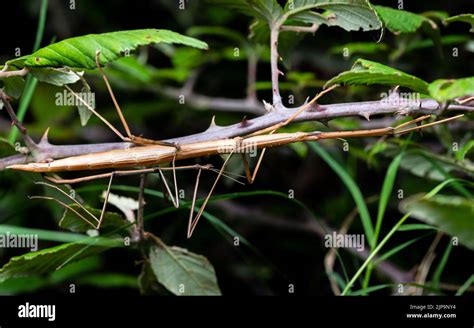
[272,129]
[251,176]
[382,131]
[126,173]
[193,222]
[175,199]
[106,200]
[82,217]
[193,203]
[89,107]
[130,137]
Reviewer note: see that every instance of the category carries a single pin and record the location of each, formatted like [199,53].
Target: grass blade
[465,286]
[442,265]
[387,188]
[353,188]
[31,82]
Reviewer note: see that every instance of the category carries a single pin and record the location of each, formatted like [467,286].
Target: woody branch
[45,150]
[272,115]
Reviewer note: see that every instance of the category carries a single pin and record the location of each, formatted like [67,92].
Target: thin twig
[301,29]
[14,119]
[21,72]
[425,265]
[141,206]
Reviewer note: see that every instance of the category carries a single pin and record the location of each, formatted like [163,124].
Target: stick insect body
[152,153]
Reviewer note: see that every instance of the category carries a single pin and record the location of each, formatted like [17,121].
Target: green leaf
[444,90]
[71,221]
[109,280]
[416,226]
[365,72]
[6,149]
[79,52]
[400,21]
[19,285]
[13,86]
[365,48]
[131,70]
[351,15]
[461,153]
[436,14]
[47,260]
[466,18]
[187,59]
[56,76]
[84,113]
[147,283]
[452,214]
[447,40]
[266,10]
[431,166]
[183,272]
[15,286]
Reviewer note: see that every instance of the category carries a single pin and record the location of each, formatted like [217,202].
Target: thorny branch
[273,114]
[46,151]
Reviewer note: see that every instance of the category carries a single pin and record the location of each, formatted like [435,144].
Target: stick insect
[151,153]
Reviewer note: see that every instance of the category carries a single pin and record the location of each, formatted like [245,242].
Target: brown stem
[16,122]
[141,206]
[274,57]
[252,77]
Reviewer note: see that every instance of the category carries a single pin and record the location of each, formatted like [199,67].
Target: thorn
[44,138]
[244,123]
[366,116]
[281,73]
[213,124]
[324,122]
[213,121]
[268,107]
